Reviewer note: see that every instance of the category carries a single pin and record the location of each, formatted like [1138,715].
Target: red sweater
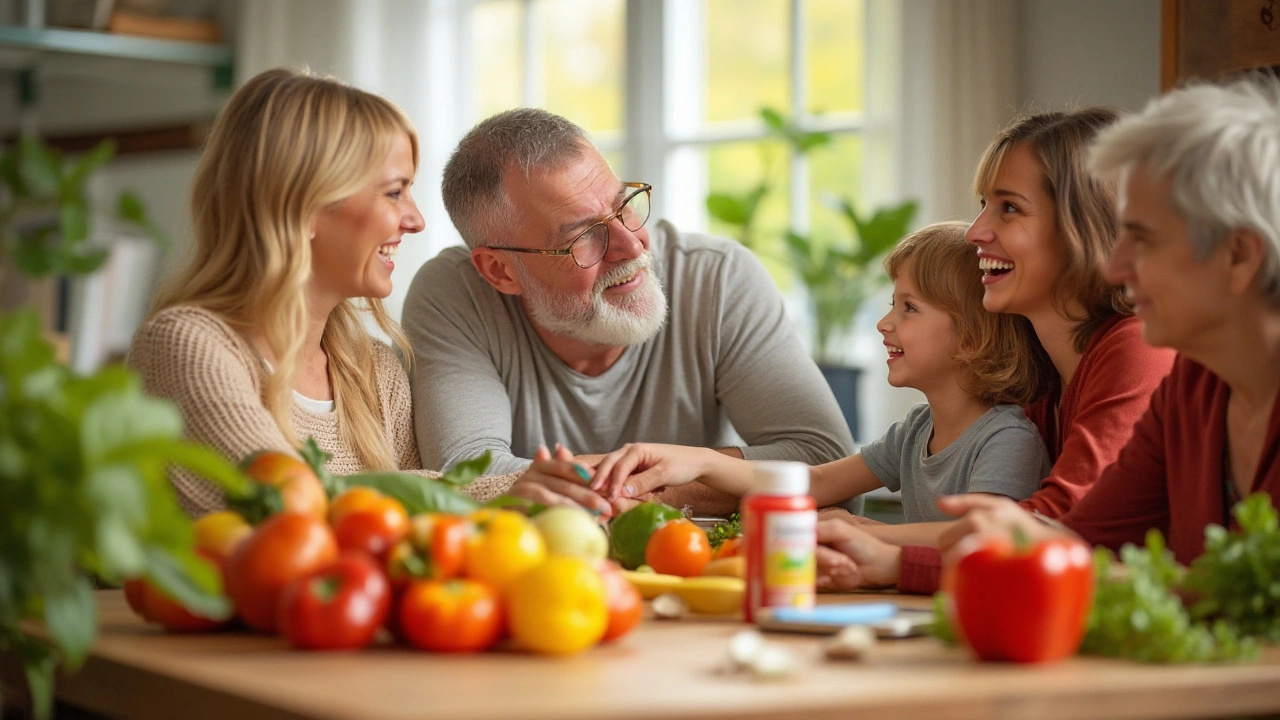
[1107,395]
[1170,475]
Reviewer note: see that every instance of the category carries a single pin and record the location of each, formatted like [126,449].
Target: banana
[713,595]
[650,584]
[706,595]
[726,567]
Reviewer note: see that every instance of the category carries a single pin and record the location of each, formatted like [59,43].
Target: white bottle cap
[780,478]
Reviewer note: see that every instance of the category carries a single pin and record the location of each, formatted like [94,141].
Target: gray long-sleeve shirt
[726,359]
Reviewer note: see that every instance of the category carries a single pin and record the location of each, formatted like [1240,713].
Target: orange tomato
[678,548]
[729,548]
[625,605]
[286,546]
[300,489]
[451,615]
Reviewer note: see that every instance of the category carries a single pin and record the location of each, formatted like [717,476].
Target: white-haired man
[568,319]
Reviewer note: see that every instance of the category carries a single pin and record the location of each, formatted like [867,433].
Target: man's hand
[985,517]
[849,559]
[561,481]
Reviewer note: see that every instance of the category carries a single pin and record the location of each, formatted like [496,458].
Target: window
[671,91]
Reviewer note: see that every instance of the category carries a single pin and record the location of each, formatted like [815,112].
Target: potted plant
[84,492]
[838,272]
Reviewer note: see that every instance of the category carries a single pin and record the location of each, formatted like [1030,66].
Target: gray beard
[592,318]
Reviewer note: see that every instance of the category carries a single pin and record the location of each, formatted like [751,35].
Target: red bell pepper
[1022,602]
[338,607]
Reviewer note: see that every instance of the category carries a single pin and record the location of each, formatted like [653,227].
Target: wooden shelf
[87,42]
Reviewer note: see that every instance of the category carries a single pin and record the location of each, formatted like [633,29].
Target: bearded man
[569,320]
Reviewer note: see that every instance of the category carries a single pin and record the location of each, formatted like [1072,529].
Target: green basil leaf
[73,222]
[188,579]
[121,419]
[86,164]
[418,494]
[466,471]
[72,618]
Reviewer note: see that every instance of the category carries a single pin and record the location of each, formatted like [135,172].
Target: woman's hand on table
[850,559]
[638,469]
[559,481]
[984,517]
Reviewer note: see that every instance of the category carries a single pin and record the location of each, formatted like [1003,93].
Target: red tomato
[434,550]
[1022,604]
[678,548]
[369,532]
[300,489]
[338,607]
[283,548]
[626,607]
[154,605]
[451,615]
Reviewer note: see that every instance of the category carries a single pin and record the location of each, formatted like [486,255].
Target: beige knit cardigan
[216,377]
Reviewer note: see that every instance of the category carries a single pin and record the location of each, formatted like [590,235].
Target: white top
[780,478]
[311,405]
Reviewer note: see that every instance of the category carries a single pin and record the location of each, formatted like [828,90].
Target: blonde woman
[301,200]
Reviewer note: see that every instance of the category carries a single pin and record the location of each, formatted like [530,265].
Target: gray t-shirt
[726,359]
[1001,453]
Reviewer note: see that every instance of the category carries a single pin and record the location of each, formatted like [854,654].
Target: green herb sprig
[730,528]
[1237,579]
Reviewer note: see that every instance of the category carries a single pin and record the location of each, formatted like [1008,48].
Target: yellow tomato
[220,532]
[504,545]
[558,607]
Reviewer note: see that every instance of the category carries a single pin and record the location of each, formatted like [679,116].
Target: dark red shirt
[1170,476]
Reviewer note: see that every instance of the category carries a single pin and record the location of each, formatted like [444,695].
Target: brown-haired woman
[1043,235]
[975,368]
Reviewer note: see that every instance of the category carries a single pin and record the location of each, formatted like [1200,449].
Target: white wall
[1090,52]
[1066,54]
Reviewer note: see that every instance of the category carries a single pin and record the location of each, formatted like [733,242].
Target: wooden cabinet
[1211,38]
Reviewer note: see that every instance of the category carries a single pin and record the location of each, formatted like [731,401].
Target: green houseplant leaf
[84,491]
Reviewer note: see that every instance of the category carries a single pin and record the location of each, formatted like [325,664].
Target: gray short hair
[526,138]
[1219,146]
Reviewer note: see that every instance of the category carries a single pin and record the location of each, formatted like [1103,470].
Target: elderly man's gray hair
[527,139]
[1218,146]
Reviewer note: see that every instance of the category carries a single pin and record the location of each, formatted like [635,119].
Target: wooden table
[663,670]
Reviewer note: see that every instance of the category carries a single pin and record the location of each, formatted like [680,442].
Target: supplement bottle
[779,527]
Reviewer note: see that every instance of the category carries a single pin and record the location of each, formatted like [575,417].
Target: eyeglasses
[590,247]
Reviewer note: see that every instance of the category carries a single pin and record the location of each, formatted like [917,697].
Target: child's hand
[559,482]
[849,559]
[640,468]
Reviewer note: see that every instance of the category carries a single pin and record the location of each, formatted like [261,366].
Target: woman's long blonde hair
[287,145]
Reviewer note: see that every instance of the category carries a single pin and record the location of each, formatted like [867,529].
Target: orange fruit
[678,548]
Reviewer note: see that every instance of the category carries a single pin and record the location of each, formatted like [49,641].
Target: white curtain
[960,86]
[409,51]
[958,82]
